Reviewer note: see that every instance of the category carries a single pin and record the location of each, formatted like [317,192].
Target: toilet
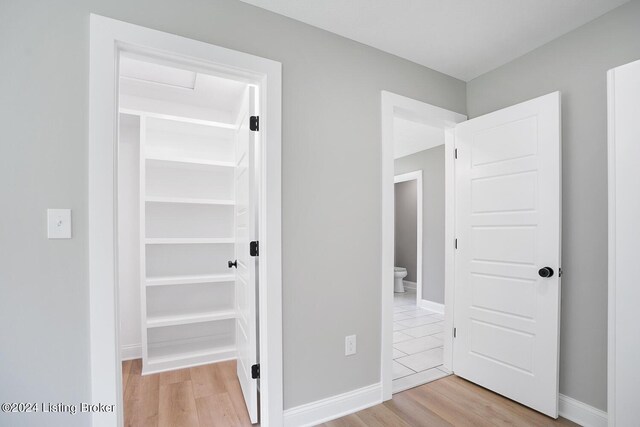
[399,273]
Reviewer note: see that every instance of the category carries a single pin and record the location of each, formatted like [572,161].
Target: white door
[245,232]
[508,201]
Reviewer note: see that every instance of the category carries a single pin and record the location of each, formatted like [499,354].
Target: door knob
[233,264]
[545,272]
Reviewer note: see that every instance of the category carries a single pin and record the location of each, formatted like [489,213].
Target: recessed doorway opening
[188,180]
[417,141]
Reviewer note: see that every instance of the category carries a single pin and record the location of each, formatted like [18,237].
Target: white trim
[130,351]
[622,135]
[449,239]
[333,407]
[391,105]
[108,39]
[431,305]
[408,284]
[580,412]
[611,333]
[417,176]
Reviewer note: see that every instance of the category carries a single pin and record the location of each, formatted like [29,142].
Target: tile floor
[417,343]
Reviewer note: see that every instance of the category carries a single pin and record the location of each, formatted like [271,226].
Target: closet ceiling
[462,38]
[172,85]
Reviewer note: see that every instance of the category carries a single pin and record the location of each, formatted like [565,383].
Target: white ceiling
[462,38]
[210,95]
[411,137]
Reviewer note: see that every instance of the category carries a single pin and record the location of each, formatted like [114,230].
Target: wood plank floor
[210,395]
[450,401]
[206,395]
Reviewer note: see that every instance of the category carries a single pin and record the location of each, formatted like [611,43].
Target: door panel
[245,232]
[508,227]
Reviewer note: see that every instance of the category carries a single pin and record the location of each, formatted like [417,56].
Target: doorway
[207,194]
[188,209]
[408,236]
[417,140]
[502,263]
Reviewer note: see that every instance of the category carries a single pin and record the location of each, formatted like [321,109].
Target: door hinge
[255,371]
[455,244]
[254,248]
[455,153]
[254,123]
[454,332]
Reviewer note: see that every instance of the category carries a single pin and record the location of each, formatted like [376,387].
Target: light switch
[59,223]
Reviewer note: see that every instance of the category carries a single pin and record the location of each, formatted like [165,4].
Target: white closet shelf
[186,319]
[186,280]
[188,240]
[192,161]
[190,200]
[182,119]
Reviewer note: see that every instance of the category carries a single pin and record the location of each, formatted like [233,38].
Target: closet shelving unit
[187,203]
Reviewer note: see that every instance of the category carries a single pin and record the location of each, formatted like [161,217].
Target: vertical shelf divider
[143,254]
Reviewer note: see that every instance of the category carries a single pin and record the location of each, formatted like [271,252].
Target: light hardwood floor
[210,395]
[206,395]
[450,401]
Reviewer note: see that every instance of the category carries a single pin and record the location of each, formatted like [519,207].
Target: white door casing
[508,226]
[624,233]
[245,232]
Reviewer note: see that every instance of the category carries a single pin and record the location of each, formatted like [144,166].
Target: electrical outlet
[349,345]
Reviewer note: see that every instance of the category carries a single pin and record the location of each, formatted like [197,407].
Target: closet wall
[129,236]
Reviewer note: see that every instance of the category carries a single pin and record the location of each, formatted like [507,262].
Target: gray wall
[331,187]
[576,64]
[431,162]
[406,227]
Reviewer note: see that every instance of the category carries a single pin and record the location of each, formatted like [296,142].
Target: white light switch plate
[59,223]
[349,345]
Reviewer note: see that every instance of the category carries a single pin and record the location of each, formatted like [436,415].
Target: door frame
[415,176]
[617,190]
[392,105]
[109,37]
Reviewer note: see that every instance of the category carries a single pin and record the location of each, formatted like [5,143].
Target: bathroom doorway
[501,213]
[408,235]
[417,194]
[417,322]
[418,305]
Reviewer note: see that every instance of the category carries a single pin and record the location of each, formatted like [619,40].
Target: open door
[507,274]
[245,233]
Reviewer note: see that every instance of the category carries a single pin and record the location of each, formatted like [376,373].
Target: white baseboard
[410,285]
[430,305]
[333,407]
[131,351]
[581,413]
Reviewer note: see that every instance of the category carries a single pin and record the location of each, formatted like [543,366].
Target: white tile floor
[417,343]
